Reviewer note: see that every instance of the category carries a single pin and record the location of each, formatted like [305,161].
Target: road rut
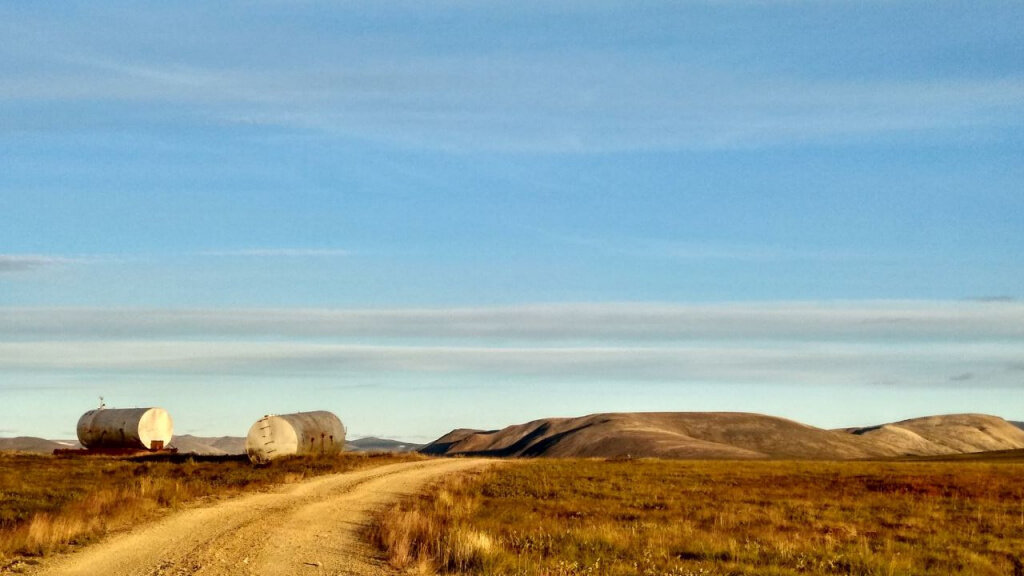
[308,528]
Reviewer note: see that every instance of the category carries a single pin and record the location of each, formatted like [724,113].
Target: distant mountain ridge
[204,446]
[32,444]
[698,435]
[236,445]
[372,444]
[720,435]
[209,446]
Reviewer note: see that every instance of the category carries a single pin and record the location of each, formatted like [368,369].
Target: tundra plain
[607,494]
[717,518]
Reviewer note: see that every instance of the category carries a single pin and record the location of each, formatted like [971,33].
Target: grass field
[568,517]
[51,503]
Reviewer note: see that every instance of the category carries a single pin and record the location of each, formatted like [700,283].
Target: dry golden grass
[562,517]
[50,503]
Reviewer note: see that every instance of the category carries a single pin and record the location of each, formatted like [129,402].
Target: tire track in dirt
[308,528]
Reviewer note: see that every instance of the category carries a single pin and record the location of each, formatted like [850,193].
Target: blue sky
[427,215]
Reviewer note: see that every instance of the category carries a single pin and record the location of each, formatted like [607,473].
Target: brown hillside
[729,435]
[658,434]
[947,434]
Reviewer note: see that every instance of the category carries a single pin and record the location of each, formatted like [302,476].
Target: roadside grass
[682,518]
[50,504]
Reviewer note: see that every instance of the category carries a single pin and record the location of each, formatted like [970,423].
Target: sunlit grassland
[560,517]
[51,503]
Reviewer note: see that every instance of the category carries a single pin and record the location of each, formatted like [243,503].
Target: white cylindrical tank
[274,436]
[138,428]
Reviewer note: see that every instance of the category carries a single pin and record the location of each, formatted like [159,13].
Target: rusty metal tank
[131,428]
[274,436]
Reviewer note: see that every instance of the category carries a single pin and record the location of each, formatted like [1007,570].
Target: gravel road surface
[312,527]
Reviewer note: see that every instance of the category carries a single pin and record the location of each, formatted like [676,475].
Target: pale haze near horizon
[424,216]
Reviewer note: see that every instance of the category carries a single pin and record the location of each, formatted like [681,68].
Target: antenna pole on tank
[102,403]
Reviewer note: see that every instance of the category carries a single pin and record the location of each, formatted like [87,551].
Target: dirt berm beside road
[308,528]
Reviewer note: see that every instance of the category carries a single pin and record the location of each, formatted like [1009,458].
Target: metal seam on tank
[305,426]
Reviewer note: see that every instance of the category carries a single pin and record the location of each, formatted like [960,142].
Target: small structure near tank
[274,436]
[123,431]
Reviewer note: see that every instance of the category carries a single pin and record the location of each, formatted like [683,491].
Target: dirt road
[307,528]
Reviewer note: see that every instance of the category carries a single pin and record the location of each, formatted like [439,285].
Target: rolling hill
[945,435]
[32,444]
[730,435]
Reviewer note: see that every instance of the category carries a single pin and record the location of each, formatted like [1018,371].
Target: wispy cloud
[26,262]
[1001,298]
[567,79]
[599,322]
[650,108]
[902,343]
[280,252]
[524,102]
[791,364]
[663,249]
